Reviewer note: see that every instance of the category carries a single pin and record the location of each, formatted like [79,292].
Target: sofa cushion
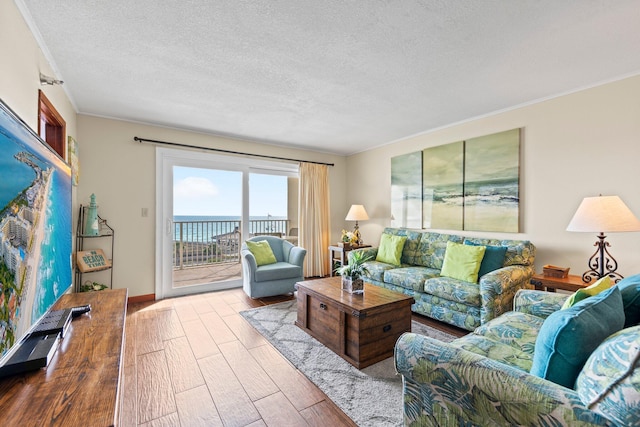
[493,258]
[509,338]
[277,271]
[377,269]
[410,277]
[610,380]
[630,290]
[261,250]
[462,262]
[453,290]
[600,285]
[569,336]
[390,249]
[432,249]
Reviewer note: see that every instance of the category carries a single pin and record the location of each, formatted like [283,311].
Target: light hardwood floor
[194,361]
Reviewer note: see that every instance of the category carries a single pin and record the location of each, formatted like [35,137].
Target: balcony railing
[200,243]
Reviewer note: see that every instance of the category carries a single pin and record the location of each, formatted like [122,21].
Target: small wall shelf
[103,241]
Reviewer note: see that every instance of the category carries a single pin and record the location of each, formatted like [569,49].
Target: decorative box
[555,271]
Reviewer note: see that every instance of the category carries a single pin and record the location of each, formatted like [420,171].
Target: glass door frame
[166,159]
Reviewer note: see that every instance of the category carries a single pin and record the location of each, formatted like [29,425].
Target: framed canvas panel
[406,190]
[442,186]
[491,185]
[73,160]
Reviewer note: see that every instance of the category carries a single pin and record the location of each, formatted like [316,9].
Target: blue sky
[218,193]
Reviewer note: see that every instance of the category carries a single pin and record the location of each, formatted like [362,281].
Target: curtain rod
[219,150]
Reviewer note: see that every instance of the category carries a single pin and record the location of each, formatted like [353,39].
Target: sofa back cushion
[411,248]
[609,383]
[432,248]
[568,337]
[519,252]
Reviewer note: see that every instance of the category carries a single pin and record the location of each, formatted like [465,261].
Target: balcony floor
[207,274]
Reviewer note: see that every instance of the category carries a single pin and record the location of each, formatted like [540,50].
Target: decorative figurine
[92,228]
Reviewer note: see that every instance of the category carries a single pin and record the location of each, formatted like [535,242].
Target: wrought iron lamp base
[600,260]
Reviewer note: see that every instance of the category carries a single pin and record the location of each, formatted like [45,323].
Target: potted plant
[352,273]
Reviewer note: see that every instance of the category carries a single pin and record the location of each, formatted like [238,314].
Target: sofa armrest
[446,385]
[296,256]
[538,303]
[249,258]
[498,288]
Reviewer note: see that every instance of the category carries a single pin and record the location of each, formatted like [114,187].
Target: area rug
[370,397]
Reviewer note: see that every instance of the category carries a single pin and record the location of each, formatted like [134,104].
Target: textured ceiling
[331,75]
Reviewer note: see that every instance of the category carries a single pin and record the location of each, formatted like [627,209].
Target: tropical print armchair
[483,379]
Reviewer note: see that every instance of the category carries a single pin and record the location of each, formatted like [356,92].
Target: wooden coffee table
[360,328]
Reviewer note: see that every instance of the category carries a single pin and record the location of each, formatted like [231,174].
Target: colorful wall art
[465,185]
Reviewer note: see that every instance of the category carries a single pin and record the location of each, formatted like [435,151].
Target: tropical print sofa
[461,303]
[484,379]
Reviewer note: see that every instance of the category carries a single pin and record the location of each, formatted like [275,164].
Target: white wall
[121,173]
[22,62]
[574,146]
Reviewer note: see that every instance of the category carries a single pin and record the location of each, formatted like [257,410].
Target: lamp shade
[603,214]
[357,213]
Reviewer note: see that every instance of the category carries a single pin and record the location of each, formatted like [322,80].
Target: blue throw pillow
[493,258]
[568,337]
[630,290]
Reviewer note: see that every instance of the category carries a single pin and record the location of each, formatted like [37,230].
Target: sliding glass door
[207,205]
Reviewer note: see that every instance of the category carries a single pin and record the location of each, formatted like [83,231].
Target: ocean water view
[201,228]
[55,264]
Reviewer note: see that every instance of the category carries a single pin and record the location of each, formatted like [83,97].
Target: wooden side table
[338,255]
[550,284]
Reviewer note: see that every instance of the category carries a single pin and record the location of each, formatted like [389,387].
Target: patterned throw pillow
[610,380]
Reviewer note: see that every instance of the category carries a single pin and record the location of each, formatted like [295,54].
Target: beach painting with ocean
[35,228]
[406,190]
[491,190]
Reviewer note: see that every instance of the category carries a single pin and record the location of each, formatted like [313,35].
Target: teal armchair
[272,279]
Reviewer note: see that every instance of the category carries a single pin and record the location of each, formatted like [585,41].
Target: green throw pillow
[390,249]
[601,285]
[262,252]
[568,337]
[462,262]
[493,258]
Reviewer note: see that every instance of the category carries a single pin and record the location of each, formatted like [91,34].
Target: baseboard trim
[141,298]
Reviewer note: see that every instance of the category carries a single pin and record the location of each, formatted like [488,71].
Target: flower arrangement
[349,237]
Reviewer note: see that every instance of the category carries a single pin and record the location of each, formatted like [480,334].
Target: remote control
[80,310]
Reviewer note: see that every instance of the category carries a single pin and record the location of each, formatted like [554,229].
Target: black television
[35,230]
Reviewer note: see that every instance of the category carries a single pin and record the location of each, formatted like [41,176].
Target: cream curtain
[314,223]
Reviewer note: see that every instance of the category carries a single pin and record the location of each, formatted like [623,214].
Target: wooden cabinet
[80,387]
[360,328]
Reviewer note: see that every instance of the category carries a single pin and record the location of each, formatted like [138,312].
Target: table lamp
[357,213]
[603,214]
